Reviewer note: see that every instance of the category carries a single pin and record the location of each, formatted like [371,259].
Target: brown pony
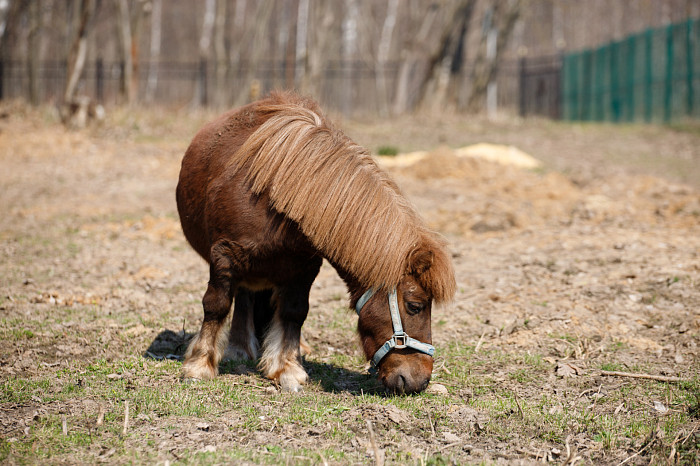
[268,191]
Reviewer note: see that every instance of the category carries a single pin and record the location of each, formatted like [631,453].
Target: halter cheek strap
[399,339]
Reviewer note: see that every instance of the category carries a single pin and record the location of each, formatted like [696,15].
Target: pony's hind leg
[207,348]
[243,341]
[281,359]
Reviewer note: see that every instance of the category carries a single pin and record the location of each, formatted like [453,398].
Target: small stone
[436,389]
[451,438]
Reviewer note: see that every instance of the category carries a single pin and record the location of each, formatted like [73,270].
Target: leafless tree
[76,58]
[494,39]
[156,27]
[300,57]
[124,33]
[35,25]
[446,60]
[383,55]
[412,54]
[221,64]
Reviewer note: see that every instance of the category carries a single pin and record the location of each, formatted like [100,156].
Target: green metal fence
[653,76]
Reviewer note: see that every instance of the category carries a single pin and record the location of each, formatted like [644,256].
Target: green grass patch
[387,150]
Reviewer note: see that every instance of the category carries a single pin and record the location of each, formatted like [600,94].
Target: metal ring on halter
[399,339]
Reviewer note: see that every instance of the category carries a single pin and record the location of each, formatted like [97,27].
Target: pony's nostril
[401,383]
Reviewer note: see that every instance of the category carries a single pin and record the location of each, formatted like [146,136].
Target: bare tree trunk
[124,34]
[76,58]
[220,54]
[447,59]
[505,15]
[409,62]
[300,60]
[156,23]
[235,55]
[321,16]
[33,47]
[383,56]
[283,55]
[257,50]
[9,24]
[348,53]
[200,95]
[136,19]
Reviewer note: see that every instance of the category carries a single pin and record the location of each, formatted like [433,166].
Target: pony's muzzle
[406,371]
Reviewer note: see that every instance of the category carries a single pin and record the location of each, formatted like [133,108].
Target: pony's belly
[257,284]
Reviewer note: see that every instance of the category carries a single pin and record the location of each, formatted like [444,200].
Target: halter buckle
[400,339]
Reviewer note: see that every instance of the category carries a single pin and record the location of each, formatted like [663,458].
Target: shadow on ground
[330,377]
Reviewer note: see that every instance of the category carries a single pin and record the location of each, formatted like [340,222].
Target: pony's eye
[414,308]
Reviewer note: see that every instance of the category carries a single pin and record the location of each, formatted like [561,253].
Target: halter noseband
[399,339]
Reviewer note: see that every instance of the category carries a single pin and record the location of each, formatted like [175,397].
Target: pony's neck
[353,285]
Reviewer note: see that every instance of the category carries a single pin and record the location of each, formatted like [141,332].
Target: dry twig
[432,427]
[659,378]
[480,342]
[571,456]
[126,416]
[100,416]
[517,403]
[378,459]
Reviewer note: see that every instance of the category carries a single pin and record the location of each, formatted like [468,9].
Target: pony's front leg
[281,359]
[207,348]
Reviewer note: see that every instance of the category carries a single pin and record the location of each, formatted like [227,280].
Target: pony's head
[401,352]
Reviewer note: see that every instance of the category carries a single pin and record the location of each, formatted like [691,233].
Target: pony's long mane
[349,208]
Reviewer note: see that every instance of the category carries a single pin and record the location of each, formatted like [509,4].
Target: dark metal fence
[539,86]
[344,86]
[651,76]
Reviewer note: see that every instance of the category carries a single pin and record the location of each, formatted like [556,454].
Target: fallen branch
[571,456]
[658,378]
[432,428]
[636,454]
[126,417]
[100,416]
[378,459]
[480,342]
[520,410]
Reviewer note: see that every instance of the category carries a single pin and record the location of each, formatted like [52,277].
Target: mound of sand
[501,188]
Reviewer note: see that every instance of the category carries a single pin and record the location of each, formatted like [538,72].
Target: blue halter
[399,339]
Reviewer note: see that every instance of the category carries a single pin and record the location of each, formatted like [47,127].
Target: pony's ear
[420,261]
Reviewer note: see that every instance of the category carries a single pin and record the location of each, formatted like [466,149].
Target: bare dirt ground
[591,263]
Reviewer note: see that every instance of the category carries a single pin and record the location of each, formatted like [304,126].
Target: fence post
[559,71]
[521,86]
[647,75]
[203,82]
[689,66]
[614,70]
[668,81]
[99,80]
[630,73]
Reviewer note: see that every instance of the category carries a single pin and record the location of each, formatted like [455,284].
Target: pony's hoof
[198,369]
[189,380]
[291,381]
[292,388]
